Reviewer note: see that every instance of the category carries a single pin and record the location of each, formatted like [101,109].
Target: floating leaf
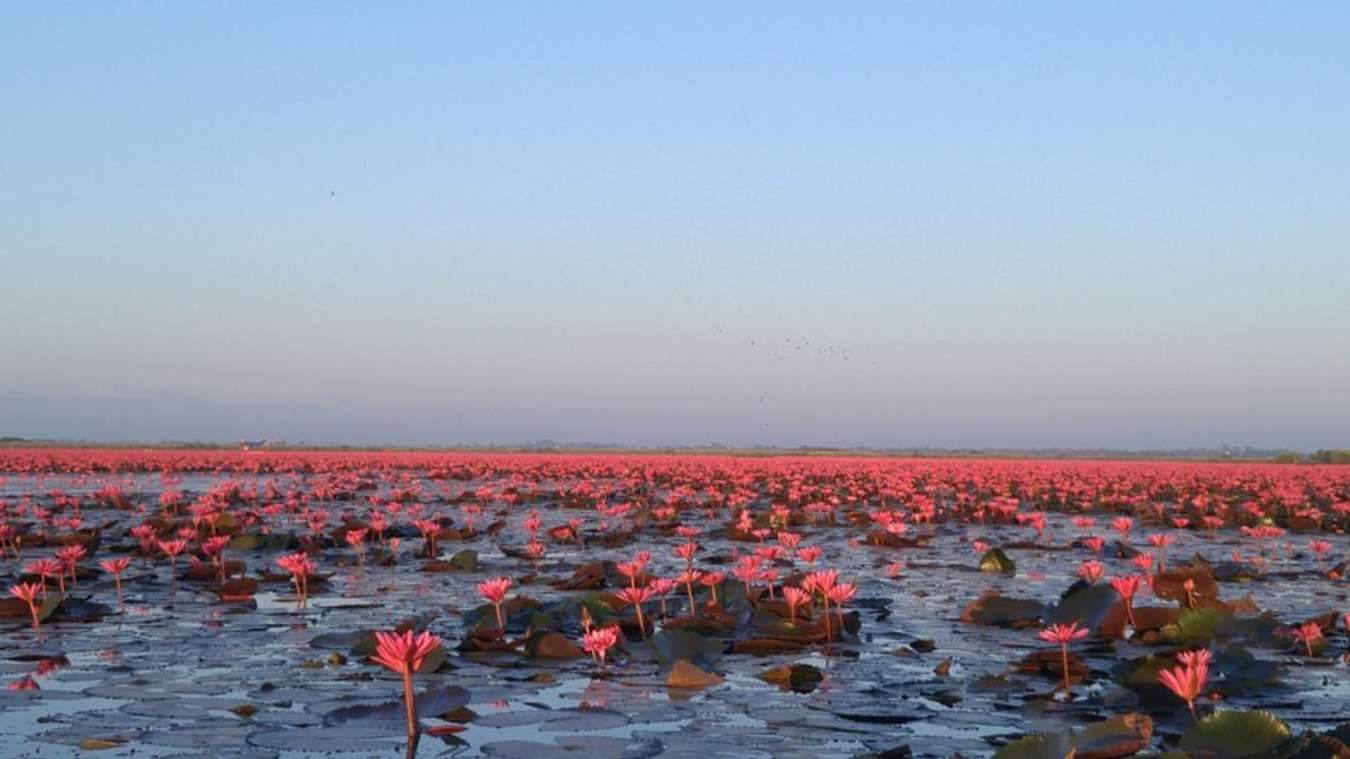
[552,645]
[995,560]
[799,678]
[430,703]
[1121,736]
[1051,746]
[685,675]
[1087,606]
[672,645]
[465,561]
[1234,735]
[1194,625]
[996,610]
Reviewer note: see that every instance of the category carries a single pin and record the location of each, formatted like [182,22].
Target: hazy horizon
[1049,226]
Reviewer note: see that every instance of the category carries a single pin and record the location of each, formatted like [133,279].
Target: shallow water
[162,677]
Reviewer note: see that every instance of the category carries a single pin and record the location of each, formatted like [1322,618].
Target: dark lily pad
[1121,736]
[552,645]
[1049,746]
[799,678]
[1002,611]
[672,645]
[430,703]
[1087,606]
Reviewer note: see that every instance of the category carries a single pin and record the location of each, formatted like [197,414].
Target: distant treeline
[1317,457]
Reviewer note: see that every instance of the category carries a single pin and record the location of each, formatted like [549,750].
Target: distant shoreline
[1214,455]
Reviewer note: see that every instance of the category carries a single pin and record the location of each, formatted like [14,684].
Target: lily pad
[799,678]
[1003,611]
[685,675]
[1049,746]
[1087,606]
[1121,736]
[672,645]
[1234,735]
[995,560]
[430,703]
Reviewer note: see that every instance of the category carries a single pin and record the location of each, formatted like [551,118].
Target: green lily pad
[1234,735]
[1195,625]
[1121,736]
[995,560]
[465,561]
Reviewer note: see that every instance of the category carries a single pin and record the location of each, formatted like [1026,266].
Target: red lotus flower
[116,567]
[711,581]
[1308,633]
[1319,547]
[637,597]
[47,568]
[810,555]
[747,569]
[1188,680]
[686,551]
[1091,571]
[1144,561]
[687,578]
[1127,586]
[796,598]
[662,587]
[631,570]
[1063,635]
[300,567]
[494,592]
[69,557]
[597,642]
[405,653]
[28,593]
[172,548]
[24,683]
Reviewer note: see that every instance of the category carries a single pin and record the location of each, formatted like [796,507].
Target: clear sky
[950,224]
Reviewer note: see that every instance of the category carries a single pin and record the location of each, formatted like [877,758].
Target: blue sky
[949,224]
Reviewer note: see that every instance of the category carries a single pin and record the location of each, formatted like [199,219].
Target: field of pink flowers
[279,603]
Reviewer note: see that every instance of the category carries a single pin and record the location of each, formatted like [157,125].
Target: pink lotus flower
[1308,633]
[300,567]
[662,587]
[24,683]
[687,578]
[28,593]
[637,597]
[404,654]
[494,592]
[1188,680]
[1063,635]
[116,567]
[686,551]
[1126,587]
[796,598]
[597,642]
